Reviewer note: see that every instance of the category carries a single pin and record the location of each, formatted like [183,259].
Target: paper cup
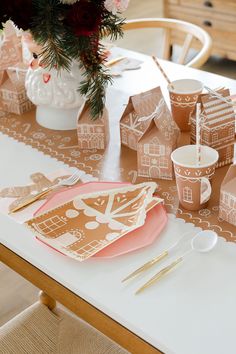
[193,181]
[183,98]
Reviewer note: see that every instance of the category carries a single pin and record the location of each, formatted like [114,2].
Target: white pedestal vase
[55,94]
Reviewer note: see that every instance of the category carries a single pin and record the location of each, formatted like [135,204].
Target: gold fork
[70,181]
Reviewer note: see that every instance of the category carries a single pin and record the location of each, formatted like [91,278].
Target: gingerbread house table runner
[114,164]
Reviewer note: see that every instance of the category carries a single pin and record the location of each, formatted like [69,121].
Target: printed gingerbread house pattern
[90,222]
[227,209]
[13,96]
[218,126]
[132,126]
[157,144]
[92,134]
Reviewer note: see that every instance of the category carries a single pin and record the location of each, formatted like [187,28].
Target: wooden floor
[16,293]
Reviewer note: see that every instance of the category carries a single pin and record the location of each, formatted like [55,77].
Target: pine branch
[49,31]
[111,26]
[95,75]
[61,45]
[94,87]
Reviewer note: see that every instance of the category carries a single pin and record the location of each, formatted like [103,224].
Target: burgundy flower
[84,18]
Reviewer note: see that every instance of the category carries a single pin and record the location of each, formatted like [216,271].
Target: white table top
[136,81]
[192,310]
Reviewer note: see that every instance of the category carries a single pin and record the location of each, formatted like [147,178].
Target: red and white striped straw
[162,71]
[198,133]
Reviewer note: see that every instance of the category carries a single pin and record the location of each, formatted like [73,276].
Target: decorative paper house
[92,134]
[10,47]
[156,145]
[13,96]
[227,208]
[218,128]
[12,90]
[132,126]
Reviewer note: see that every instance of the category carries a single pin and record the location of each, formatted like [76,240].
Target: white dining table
[190,311]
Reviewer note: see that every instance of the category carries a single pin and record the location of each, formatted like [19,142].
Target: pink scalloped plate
[144,236]
[155,221]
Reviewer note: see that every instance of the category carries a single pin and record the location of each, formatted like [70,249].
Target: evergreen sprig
[61,45]
[111,26]
[70,33]
[49,32]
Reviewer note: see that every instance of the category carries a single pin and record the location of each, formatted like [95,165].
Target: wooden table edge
[89,313]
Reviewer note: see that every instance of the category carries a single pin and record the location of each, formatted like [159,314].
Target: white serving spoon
[204,241]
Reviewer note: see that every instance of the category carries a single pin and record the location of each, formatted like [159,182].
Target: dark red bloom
[84,18]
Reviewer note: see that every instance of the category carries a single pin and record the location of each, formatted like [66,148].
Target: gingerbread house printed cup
[193,180]
[183,98]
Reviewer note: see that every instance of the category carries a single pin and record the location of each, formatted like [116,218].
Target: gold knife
[159,275]
[67,182]
[155,260]
[113,61]
[30,199]
[146,266]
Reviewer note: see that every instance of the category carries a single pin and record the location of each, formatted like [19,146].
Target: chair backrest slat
[185,48]
[166,43]
[171,25]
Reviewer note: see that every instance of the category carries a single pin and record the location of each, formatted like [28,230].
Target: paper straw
[198,133]
[162,71]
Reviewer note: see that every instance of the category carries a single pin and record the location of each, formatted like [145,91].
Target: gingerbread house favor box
[12,90]
[218,125]
[227,208]
[156,145]
[92,134]
[13,96]
[132,126]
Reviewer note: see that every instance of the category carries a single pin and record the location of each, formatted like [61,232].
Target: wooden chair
[170,28]
[44,329]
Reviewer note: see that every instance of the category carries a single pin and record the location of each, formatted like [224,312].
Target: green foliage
[49,31]
[61,45]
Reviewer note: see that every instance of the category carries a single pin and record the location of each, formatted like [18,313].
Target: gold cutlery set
[203,241]
[70,181]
